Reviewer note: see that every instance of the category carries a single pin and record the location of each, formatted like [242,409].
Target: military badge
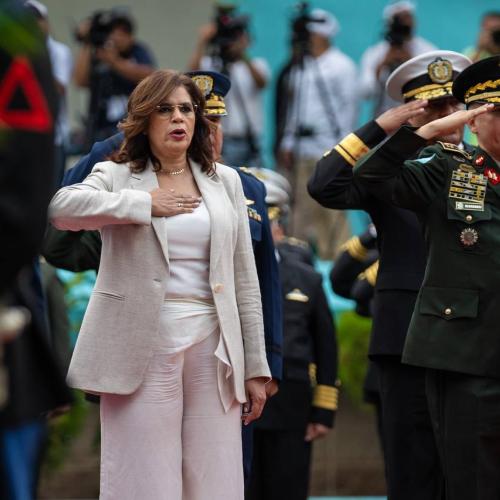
[440,71]
[204,82]
[469,188]
[253,214]
[492,175]
[249,202]
[297,295]
[479,160]
[466,168]
[469,237]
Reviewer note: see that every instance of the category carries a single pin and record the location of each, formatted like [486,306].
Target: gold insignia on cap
[440,71]
[205,83]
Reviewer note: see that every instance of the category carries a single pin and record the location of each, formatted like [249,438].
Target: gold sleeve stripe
[355,249]
[354,146]
[347,157]
[326,397]
[312,374]
[371,273]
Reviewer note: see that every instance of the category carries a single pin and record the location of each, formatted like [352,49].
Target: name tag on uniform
[470,188]
[461,205]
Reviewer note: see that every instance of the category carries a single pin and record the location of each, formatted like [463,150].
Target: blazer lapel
[147,181]
[214,195]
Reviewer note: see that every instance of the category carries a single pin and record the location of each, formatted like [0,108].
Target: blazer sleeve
[248,297]
[415,183]
[92,204]
[332,183]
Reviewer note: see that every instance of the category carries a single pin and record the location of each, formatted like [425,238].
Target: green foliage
[353,334]
[63,430]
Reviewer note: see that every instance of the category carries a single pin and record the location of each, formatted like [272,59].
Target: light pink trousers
[172,439]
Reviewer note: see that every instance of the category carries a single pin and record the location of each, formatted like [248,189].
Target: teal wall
[451,25]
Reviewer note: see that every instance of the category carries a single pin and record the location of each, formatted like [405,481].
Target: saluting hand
[446,125]
[167,203]
[393,118]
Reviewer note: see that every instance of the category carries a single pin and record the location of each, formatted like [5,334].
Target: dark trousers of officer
[411,457]
[280,467]
[465,412]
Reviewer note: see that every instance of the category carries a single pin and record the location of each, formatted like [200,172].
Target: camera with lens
[230,27]
[102,23]
[397,32]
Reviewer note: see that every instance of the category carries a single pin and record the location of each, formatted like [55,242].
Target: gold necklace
[173,172]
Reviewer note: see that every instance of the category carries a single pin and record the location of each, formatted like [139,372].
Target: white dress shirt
[372,87]
[323,101]
[244,101]
[62,66]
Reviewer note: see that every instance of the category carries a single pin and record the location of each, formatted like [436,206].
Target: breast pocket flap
[449,303]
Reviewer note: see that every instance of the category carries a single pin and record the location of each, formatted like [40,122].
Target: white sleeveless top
[189,254]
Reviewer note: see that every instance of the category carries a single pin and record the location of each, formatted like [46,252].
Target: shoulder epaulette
[247,171]
[355,248]
[296,242]
[448,146]
[351,148]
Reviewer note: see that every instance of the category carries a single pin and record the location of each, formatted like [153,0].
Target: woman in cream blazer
[188,457]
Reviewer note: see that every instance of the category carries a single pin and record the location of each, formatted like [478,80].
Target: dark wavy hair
[150,92]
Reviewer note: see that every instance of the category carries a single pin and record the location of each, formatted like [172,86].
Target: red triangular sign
[37,117]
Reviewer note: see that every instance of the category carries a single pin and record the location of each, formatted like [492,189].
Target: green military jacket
[456,322]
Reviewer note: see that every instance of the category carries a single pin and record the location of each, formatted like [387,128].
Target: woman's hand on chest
[166,203]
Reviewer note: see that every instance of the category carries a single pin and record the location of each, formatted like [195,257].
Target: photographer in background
[488,43]
[222,46]
[110,63]
[399,45]
[62,65]
[319,109]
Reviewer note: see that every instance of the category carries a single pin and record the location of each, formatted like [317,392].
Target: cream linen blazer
[122,319]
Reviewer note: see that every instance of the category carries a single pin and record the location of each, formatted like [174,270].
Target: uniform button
[447,311]
[468,218]
[218,287]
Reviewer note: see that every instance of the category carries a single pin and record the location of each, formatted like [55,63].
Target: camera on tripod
[301,36]
[398,32]
[230,27]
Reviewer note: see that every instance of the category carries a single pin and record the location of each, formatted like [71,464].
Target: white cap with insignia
[427,76]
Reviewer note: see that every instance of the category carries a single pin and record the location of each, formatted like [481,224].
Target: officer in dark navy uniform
[424,83]
[300,412]
[453,334]
[76,251]
[353,276]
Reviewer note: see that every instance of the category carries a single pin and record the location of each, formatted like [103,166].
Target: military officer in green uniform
[454,332]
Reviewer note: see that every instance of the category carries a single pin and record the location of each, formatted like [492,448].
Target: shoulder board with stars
[296,242]
[448,146]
